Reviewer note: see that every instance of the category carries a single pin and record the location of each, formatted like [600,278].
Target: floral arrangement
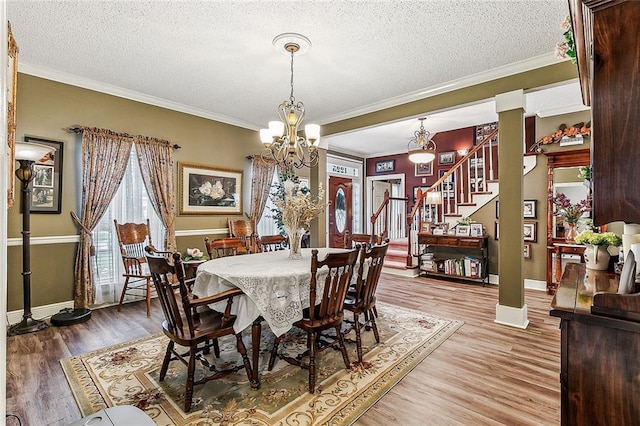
[195,254]
[599,239]
[466,221]
[578,129]
[567,48]
[296,207]
[570,213]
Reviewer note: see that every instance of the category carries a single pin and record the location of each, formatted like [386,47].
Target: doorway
[340,210]
[397,214]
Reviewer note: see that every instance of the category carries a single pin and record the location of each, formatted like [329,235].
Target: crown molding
[449,86]
[86,83]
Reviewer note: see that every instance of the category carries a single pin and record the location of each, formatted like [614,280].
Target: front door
[340,210]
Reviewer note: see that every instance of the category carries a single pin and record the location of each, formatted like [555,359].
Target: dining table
[276,290]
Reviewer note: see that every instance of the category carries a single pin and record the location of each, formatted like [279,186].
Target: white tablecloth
[275,286]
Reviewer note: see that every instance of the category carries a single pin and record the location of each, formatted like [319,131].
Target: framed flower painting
[205,189]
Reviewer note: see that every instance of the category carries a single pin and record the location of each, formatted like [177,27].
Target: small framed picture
[497,210]
[530,231]
[438,231]
[463,230]
[476,230]
[424,169]
[527,251]
[446,158]
[529,209]
[496,230]
[425,227]
[385,166]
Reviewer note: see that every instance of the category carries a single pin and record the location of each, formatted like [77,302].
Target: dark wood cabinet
[600,353]
[607,37]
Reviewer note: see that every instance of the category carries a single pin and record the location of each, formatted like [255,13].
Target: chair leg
[343,348]
[311,339]
[148,296]
[191,369]
[356,320]
[216,348]
[375,326]
[375,311]
[124,290]
[167,359]
[245,358]
[274,353]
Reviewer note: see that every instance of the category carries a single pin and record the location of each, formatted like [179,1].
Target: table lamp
[26,155]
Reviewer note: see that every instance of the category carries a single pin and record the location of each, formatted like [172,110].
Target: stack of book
[428,264]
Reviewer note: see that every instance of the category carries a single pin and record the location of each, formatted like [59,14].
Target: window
[130,204]
[267,224]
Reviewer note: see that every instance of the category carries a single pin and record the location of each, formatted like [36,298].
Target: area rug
[127,374]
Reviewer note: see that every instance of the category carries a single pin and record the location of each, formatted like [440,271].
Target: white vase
[596,257]
[295,242]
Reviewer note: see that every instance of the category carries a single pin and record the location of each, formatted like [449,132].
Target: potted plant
[596,255]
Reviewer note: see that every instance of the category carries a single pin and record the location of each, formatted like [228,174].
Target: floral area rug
[127,374]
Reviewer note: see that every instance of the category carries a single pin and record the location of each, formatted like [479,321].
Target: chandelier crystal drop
[422,149]
[281,140]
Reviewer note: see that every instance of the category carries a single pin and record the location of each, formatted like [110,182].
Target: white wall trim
[66,239]
[512,317]
[192,232]
[450,86]
[535,284]
[86,83]
[39,312]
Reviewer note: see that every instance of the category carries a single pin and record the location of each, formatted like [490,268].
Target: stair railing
[388,221]
[451,186]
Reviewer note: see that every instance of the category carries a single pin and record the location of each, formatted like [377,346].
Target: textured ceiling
[215,58]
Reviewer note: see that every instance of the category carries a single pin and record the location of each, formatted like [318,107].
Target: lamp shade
[421,155]
[32,151]
[434,197]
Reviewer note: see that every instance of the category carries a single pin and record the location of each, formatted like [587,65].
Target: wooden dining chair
[244,230]
[326,310]
[223,247]
[185,327]
[277,242]
[361,300]
[132,239]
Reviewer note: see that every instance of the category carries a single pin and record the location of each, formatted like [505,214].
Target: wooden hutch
[600,332]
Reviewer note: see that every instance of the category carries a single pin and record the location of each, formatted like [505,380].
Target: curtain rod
[78,130]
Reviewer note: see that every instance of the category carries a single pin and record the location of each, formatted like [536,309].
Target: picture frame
[446,158]
[385,166]
[46,187]
[425,227]
[496,231]
[476,230]
[448,186]
[12,86]
[497,209]
[530,231]
[463,231]
[530,209]
[424,169]
[527,251]
[205,189]
[483,131]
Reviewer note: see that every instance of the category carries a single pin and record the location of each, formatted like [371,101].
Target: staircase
[468,185]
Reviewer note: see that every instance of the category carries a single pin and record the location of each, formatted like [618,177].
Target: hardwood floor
[485,374]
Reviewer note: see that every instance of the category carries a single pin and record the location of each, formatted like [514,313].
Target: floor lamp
[26,155]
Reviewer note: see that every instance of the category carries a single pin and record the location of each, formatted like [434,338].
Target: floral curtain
[105,155]
[261,176]
[156,165]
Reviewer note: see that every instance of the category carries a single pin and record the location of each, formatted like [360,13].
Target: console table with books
[454,256]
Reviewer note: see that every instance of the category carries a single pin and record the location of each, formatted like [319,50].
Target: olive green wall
[47,109]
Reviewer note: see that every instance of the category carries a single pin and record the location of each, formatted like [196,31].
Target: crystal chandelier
[422,149]
[281,141]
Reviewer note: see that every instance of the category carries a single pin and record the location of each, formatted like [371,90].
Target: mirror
[563,176]
[566,180]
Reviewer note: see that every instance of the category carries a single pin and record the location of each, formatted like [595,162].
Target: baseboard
[413,272]
[39,312]
[513,317]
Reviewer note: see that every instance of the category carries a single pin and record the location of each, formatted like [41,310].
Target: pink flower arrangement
[570,213]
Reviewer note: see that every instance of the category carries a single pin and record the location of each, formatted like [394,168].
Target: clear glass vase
[295,242]
[571,233]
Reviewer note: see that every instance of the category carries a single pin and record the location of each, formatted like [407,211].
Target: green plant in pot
[596,254]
